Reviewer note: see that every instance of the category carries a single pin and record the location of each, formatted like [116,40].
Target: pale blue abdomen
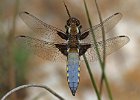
[73,71]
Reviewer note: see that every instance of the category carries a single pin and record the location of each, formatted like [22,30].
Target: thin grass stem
[103,76]
[102,63]
[95,42]
[32,85]
[93,35]
[92,78]
[104,49]
[11,61]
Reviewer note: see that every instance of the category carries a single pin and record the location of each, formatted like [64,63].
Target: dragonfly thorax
[73,41]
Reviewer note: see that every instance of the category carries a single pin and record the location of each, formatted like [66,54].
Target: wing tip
[117,13]
[126,37]
[21,36]
[123,36]
[24,12]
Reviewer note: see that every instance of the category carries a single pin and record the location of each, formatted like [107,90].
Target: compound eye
[68,23]
[66,26]
[77,23]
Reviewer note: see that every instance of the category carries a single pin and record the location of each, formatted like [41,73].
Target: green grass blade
[92,78]
[104,49]
[93,35]
[87,64]
[102,63]
[103,77]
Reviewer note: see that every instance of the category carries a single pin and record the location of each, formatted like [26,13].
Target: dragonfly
[54,44]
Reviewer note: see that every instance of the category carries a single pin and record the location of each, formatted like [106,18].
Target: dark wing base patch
[63,48]
[83,48]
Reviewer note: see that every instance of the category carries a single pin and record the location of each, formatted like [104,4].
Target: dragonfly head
[73,22]
[73,25]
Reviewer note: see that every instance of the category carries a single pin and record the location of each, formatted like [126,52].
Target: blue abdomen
[73,71]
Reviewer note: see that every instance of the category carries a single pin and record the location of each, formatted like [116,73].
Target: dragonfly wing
[42,29]
[112,45]
[43,49]
[108,24]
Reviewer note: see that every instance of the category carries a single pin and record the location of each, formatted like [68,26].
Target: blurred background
[18,66]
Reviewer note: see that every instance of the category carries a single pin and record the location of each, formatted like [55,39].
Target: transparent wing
[43,49]
[108,24]
[112,45]
[42,29]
